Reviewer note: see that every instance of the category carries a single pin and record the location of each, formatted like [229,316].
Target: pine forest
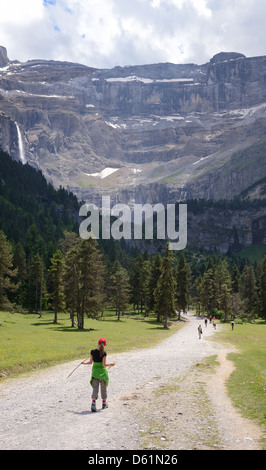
[46,266]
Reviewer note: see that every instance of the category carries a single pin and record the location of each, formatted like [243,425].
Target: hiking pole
[78,366]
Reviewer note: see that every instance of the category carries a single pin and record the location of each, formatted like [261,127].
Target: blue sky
[106,33]
[49,2]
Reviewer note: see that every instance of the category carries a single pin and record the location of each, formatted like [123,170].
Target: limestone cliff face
[3,57]
[227,229]
[229,81]
[168,131]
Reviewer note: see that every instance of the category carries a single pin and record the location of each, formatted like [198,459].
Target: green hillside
[32,212]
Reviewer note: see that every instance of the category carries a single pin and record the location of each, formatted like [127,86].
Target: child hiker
[99,374]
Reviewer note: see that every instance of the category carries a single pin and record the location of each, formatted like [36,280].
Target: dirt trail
[238,433]
[151,392]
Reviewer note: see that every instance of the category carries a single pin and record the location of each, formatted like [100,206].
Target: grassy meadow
[28,342]
[247,384]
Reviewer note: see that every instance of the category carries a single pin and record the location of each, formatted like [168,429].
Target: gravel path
[150,391]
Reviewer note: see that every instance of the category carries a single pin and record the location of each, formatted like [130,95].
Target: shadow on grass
[123,319]
[68,329]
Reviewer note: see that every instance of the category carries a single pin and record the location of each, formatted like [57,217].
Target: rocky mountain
[147,133]
[143,133]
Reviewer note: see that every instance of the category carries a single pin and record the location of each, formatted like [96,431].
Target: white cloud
[14,12]
[105,33]
[155,3]
[202,8]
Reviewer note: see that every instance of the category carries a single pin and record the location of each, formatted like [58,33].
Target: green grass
[254,253]
[171,178]
[247,384]
[86,184]
[28,342]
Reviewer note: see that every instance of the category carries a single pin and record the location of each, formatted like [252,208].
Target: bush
[218,314]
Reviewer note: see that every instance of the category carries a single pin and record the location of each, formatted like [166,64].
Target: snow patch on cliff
[104,173]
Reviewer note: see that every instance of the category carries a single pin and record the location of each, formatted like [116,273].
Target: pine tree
[249,288]
[36,285]
[119,289]
[208,292]
[262,289]
[85,280]
[182,284]
[69,241]
[7,274]
[156,267]
[223,288]
[165,291]
[198,294]
[144,286]
[135,281]
[71,283]
[237,305]
[34,242]
[56,282]
[91,278]
[235,280]
[19,262]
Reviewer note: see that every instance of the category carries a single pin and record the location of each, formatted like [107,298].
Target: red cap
[102,340]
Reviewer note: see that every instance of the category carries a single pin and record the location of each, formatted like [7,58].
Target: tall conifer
[85,280]
[57,288]
[165,291]
[7,273]
[262,289]
[119,289]
[182,284]
[249,288]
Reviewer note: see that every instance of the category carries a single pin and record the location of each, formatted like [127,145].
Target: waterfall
[20,145]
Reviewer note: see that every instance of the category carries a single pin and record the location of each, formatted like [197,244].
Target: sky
[107,33]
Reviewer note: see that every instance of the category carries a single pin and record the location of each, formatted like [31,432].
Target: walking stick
[78,366]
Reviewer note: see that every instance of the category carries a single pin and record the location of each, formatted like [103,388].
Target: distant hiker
[199,331]
[214,324]
[232,324]
[206,322]
[210,318]
[99,374]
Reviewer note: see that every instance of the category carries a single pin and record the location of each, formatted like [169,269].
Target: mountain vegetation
[45,265]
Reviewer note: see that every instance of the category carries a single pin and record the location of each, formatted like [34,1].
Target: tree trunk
[55,315]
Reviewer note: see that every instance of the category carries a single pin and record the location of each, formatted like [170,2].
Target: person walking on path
[232,324]
[99,374]
[200,331]
[206,321]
